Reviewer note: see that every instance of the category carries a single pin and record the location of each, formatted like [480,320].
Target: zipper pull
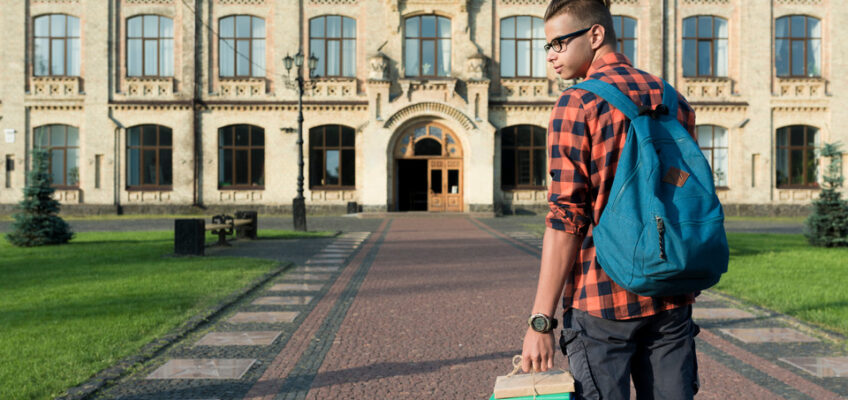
[661,232]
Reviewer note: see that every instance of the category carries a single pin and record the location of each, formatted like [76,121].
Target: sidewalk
[434,308]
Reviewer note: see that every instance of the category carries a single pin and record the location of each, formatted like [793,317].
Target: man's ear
[598,36]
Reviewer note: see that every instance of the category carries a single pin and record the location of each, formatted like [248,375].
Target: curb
[159,345]
[807,327]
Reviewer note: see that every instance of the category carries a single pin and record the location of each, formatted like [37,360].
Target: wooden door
[453,185]
[436,185]
[444,185]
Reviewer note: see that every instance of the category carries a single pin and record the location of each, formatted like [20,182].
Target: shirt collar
[609,60]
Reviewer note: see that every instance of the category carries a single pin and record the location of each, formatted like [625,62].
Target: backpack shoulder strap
[670,99]
[612,95]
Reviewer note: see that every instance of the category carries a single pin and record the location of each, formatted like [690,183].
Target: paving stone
[263,316]
[250,338]
[720,313]
[334,251]
[316,269]
[308,287]
[768,335]
[324,262]
[283,300]
[307,277]
[204,368]
[822,367]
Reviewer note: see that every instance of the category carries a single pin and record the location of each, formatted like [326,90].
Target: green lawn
[785,274]
[69,311]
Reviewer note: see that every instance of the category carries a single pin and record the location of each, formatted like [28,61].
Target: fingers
[537,353]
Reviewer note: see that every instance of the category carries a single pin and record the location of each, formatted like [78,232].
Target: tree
[828,224]
[37,224]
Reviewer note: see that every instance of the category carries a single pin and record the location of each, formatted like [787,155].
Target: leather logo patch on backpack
[676,177]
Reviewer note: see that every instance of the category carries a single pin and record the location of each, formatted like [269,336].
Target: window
[57,45]
[62,143]
[625,33]
[522,47]
[796,156]
[241,157]
[241,47]
[797,45]
[332,39]
[713,142]
[332,156]
[523,156]
[150,46]
[427,46]
[704,46]
[149,162]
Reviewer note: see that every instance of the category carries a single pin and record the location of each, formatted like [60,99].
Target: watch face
[539,324]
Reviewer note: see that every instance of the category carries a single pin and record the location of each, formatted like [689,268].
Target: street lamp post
[299,83]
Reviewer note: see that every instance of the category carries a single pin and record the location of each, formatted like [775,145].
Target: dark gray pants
[657,351]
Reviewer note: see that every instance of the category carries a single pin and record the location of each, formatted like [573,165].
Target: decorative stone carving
[152,196]
[55,87]
[67,196]
[332,195]
[149,1]
[437,88]
[334,87]
[241,2]
[476,67]
[430,108]
[801,87]
[707,88]
[240,88]
[247,196]
[378,67]
[149,87]
[523,88]
[332,1]
[706,1]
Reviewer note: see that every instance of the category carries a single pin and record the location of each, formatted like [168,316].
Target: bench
[190,233]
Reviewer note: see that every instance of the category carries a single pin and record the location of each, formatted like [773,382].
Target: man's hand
[538,351]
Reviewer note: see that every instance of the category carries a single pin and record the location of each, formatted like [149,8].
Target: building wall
[380,102]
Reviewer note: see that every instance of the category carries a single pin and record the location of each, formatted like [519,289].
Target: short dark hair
[589,11]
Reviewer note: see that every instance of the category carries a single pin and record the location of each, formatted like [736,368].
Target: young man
[609,334]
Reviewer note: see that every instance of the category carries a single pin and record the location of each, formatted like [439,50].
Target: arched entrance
[428,166]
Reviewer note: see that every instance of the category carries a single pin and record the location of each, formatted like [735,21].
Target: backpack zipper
[661,232]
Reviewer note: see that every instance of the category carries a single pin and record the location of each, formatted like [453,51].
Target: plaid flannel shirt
[585,139]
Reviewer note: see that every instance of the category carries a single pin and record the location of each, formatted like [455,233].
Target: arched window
[522,47]
[796,156]
[704,46]
[150,46]
[241,157]
[713,142]
[625,36]
[241,47]
[149,157]
[427,47]
[332,156]
[62,143]
[332,39]
[797,42]
[523,156]
[57,45]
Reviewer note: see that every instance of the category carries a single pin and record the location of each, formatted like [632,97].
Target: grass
[69,311]
[784,273]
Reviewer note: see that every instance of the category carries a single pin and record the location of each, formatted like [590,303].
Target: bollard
[189,236]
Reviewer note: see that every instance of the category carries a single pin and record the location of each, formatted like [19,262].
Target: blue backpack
[662,231]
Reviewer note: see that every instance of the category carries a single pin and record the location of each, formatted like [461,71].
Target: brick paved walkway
[433,308]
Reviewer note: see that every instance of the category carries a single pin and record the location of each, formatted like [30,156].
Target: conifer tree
[37,223]
[828,224]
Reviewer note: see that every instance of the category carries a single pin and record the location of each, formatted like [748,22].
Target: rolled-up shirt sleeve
[569,155]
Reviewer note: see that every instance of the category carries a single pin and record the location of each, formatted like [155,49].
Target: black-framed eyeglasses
[558,44]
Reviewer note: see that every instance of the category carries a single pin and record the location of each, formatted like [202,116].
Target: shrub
[828,224]
[37,224]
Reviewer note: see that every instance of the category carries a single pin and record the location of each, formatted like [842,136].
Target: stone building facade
[210,120]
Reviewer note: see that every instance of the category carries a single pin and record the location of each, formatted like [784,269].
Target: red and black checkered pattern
[585,139]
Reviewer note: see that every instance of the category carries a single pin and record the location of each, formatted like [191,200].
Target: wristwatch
[542,323]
